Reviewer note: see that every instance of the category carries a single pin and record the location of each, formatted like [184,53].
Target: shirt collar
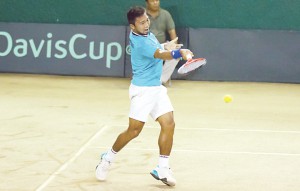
[144,35]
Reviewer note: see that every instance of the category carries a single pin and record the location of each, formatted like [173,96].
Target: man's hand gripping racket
[191,64]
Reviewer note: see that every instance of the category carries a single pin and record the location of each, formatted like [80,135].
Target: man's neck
[153,14]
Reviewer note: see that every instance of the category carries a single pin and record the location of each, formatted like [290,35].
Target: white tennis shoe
[102,168]
[165,175]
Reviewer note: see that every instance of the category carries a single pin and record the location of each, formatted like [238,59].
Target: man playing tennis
[147,95]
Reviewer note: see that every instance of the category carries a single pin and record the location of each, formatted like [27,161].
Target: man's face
[141,25]
[153,5]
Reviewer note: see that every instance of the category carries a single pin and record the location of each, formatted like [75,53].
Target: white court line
[67,163]
[219,129]
[239,130]
[217,152]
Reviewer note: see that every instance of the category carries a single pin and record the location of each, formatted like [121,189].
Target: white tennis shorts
[145,101]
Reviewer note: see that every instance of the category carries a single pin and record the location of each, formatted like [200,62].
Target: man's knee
[134,132]
[169,127]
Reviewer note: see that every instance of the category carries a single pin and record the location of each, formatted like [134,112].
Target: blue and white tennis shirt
[145,68]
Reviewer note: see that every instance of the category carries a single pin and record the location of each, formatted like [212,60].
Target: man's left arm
[170,26]
[172,34]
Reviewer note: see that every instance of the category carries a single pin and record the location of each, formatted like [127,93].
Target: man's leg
[134,129]
[165,142]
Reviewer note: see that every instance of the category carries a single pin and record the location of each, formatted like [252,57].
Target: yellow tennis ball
[227,98]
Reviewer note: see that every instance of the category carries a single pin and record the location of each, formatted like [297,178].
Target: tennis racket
[191,64]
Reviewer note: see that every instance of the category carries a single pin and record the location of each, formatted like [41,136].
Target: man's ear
[132,26]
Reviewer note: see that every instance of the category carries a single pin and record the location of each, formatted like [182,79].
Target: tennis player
[147,95]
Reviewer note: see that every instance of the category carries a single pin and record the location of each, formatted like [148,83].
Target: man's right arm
[169,55]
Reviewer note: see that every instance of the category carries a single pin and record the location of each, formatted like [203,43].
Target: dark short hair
[135,12]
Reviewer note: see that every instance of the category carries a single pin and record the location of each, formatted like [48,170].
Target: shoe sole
[164,180]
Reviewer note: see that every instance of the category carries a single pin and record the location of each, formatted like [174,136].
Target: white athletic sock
[163,161]
[110,155]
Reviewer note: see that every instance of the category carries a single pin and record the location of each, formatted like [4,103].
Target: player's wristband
[176,54]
